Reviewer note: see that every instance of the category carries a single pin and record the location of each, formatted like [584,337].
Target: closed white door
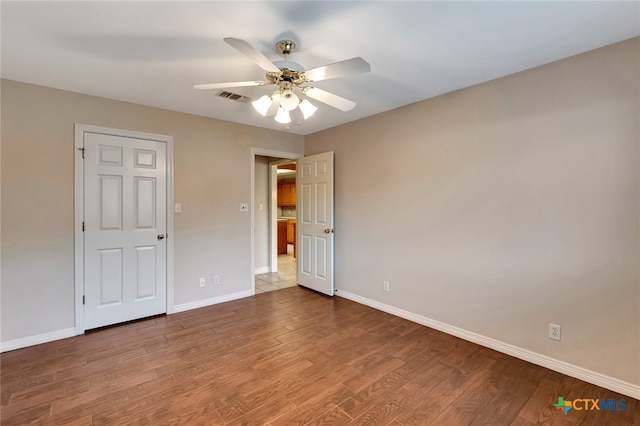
[315,222]
[125,196]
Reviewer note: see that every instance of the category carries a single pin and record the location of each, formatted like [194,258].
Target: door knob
[160,236]
[328,231]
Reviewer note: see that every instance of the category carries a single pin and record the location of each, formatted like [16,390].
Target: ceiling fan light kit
[289,75]
[283,116]
[262,104]
[289,100]
[307,108]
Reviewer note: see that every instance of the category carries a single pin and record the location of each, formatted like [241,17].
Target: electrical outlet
[216,280]
[385,286]
[202,282]
[554,332]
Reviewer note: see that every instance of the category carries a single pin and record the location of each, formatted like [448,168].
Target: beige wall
[504,207]
[212,175]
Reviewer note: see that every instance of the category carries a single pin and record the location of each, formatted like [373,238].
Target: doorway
[283,273]
[273,267]
[315,217]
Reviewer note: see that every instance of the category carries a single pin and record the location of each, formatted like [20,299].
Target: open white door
[315,222]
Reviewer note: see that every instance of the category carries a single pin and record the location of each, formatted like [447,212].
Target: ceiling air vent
[233,96]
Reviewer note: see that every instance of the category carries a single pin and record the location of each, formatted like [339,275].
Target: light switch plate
[178,208]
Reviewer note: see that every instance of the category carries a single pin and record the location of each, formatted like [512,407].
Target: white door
[315,222]
[125,197]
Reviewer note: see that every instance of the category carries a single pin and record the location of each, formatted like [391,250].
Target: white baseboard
[589,376]
[37,339]
[70,332]
[263,270]
[211,301]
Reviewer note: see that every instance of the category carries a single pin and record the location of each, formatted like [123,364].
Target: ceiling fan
[290,77]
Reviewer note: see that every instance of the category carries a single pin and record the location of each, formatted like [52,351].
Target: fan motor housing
[285,74]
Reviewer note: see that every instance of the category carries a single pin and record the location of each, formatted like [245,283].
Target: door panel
[110,277]
[110,202]
[321,250]
[146,266]
[315,222]
[125,194]
[145,202]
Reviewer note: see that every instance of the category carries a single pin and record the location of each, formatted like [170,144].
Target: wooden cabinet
[291,231]
[287,194]
[282,237]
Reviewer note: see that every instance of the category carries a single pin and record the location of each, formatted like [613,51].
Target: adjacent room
[308,212]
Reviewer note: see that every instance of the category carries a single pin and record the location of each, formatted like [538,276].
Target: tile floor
[285,277]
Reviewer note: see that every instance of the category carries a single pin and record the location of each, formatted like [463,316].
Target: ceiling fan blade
[250,52]
[338,69]
[208,86]
[329,98]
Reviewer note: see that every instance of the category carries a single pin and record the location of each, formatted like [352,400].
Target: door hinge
[82,226]
[82,151]
[83,299]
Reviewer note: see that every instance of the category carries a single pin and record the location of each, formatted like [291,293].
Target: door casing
[80,130]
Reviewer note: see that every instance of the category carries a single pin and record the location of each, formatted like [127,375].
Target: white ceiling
[152,53]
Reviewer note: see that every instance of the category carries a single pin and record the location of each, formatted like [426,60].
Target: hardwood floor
[285,357]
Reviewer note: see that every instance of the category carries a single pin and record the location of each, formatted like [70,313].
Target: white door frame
[80,130]
[273,230]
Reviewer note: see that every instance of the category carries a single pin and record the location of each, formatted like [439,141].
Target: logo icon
[563,405]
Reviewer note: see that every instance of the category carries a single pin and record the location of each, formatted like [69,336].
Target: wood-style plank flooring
[285,357]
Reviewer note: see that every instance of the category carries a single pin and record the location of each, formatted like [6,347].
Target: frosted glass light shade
[283,116]
[262,105]
[307,108]
[289,100]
